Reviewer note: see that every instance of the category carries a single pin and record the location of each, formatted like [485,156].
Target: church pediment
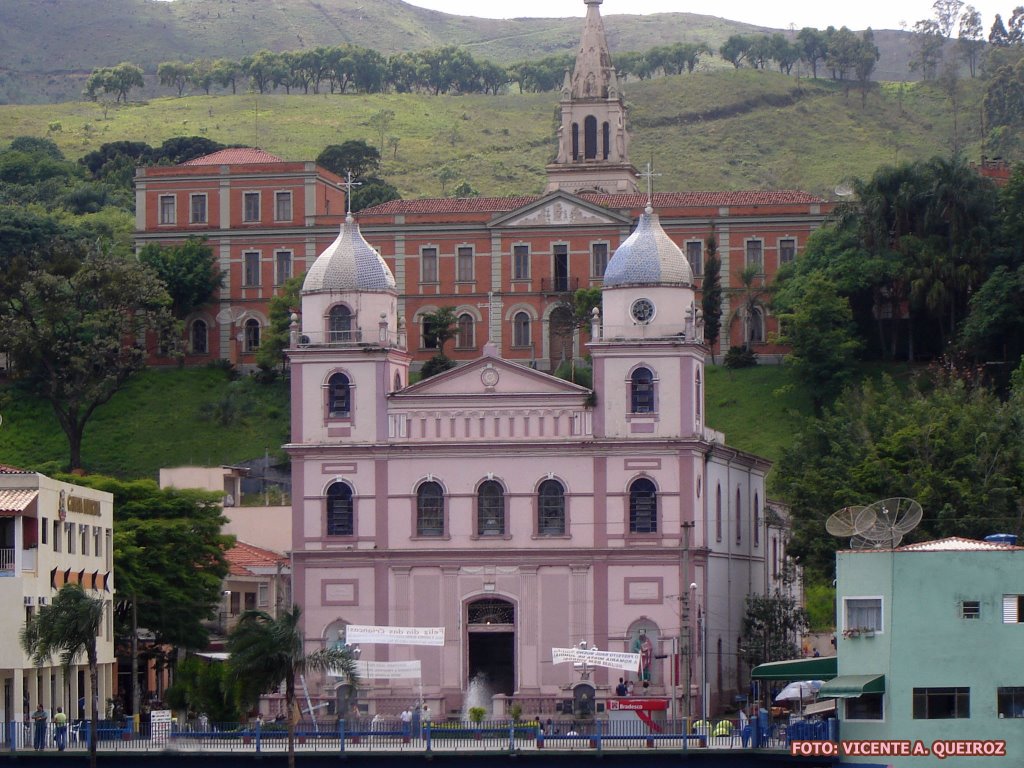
[491,377]
[559,209]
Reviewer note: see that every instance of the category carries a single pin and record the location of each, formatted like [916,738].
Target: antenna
[881,525]
[844,189]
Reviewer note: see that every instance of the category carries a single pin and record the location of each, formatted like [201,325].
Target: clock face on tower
[642,311]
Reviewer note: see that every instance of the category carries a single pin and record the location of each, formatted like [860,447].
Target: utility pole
[686,648]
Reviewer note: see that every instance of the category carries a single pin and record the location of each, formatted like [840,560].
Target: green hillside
[725,129]
[174,417]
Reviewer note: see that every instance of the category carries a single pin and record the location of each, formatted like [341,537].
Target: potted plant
[515,711]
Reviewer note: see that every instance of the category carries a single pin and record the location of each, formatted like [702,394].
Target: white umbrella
[799,691]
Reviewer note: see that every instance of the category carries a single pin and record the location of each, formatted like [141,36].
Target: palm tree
[266,651]
[68,627]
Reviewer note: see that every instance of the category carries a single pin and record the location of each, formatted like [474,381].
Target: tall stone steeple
[593,145]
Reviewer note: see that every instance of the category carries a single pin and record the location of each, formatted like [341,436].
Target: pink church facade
[518,511]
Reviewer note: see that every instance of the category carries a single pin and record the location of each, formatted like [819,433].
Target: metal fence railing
[364,735]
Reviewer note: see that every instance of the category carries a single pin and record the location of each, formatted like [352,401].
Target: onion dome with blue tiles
[349,264]
[648,257]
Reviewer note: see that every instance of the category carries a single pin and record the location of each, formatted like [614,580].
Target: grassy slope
[712,130]
[159,420]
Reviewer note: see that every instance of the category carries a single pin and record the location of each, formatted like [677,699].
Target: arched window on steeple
[575,141]
[339,397]
[340,510]
[590,138]
[643,506]
[606,137]
[340,324]
[641,393]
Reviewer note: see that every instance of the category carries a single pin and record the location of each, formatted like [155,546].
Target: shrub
[740,357]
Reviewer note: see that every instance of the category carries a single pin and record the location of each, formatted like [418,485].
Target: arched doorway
[560,338]
[491,625]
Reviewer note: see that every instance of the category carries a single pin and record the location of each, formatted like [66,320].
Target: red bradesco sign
[642,709]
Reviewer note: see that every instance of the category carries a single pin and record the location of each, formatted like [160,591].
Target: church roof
[349,264]
[634,201]
[235,156]
[648,257]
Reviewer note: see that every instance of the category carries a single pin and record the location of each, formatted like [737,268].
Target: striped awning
[853,686]
[14,501]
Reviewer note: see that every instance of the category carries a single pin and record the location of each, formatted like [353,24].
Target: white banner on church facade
[360,633]
[391,670]
[610,659]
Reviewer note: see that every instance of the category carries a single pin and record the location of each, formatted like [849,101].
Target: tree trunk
[289,703]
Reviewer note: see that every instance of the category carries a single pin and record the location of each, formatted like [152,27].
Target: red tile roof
[235,156]
[16,500]
[8,470]
[243,557]
[634,201]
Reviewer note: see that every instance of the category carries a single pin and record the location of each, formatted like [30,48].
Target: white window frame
[746,253]
[279,195]
[164,219]
[699,270]
[779,249]
[459,276]
[246,282]
[246,196]
[1012,613]
[880,629]
[192,198]
[277,265]
[435,253]
[262,595]
[594,272]
[516,274]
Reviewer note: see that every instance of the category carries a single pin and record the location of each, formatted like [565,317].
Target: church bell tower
[593,145]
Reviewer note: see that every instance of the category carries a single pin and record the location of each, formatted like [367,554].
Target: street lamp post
[702,636]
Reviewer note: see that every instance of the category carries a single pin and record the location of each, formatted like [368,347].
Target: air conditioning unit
[29,600]
[42,600]
[304,340]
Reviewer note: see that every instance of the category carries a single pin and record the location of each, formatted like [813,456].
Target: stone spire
[593,74]
[593,144]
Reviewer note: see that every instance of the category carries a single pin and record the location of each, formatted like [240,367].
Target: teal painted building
[930,641]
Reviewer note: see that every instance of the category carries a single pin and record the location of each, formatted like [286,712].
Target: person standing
[39,733]
[406,723]
[60,729]
[426,717]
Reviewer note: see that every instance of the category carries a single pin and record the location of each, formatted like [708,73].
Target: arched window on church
[551,509]
[340,510]
[490,509]
[252,335]
[718,513]
[756,326]
[465,339]
[590,138]
[339,397]
[643,506]
[698,398]
[575,141]
[398,382]
[521,330]
[200,337]
[642,391]
[340,324]
[606,136]
[757,520]
[430,510]
[739,519]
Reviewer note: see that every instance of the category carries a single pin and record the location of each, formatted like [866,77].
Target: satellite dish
[850,521]
[894,519]
[844,190]
[863,542]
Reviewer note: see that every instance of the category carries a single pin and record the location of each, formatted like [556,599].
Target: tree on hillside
[188,271]
[174,74]
[118,80]
[68,628]
[820,335]
[225,72]
[928,42]
[354,156]
[267,652]
[813,47]
[75,327]
[997,35]
[711,295]
[970,39]
[946,14]
[864,65]
[734,50]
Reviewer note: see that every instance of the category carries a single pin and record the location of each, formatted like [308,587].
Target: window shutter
[1010,615]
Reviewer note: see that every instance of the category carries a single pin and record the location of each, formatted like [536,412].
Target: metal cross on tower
[649,174]
[348,192]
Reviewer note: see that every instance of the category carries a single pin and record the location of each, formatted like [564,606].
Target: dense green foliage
[772,626]
[945,441]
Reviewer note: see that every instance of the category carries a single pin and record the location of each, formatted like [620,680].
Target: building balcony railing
[382,337]
[559,284]
[6,559]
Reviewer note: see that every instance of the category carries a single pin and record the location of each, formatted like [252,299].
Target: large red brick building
[507,265]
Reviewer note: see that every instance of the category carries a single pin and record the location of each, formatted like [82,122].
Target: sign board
[389,670]
[610,659]
[160,725]
[637,705]
[359,633]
